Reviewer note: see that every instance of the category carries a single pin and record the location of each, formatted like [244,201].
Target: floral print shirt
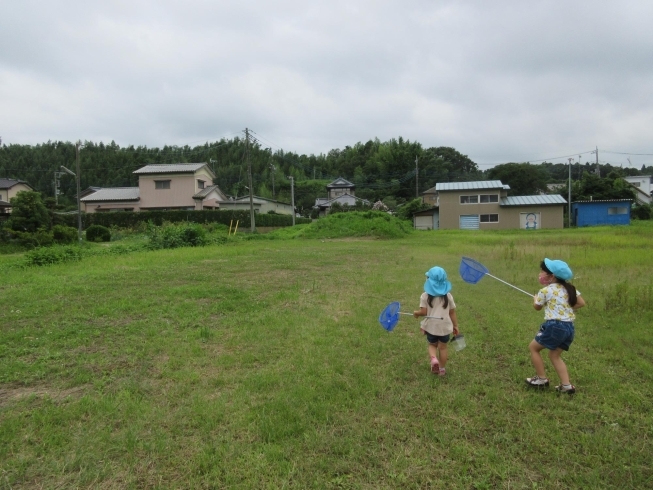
[555,300]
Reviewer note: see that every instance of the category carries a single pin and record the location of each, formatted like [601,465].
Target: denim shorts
[434,339]
[555,334]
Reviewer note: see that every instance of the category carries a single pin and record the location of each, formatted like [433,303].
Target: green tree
[594,187]
[524,179]
[28,213]
[406,211]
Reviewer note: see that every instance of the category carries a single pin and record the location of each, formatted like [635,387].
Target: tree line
[394,171]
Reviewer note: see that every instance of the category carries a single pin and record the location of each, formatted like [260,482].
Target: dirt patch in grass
[12,394]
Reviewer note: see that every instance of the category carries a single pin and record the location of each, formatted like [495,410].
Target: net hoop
[389,317]
[471,271]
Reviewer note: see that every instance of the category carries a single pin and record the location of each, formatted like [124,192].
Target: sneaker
[537,381]
[435,365]
[570,389]
[442,372]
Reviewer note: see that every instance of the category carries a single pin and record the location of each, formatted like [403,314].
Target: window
[162,184]
[200,184]
[468,199]
[489,218]
[489,198]
[617,210]
[637,184]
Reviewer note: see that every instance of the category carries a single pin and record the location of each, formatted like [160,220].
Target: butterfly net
[390,316]
[472,271]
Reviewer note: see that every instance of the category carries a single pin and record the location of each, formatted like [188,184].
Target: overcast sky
[500,81]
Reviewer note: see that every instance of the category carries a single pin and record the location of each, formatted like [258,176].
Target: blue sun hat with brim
[559,269]
[436,282]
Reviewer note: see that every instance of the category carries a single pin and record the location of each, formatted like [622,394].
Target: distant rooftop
[464,186]
[172,168]
[539,200]
[113,194]
[9,183]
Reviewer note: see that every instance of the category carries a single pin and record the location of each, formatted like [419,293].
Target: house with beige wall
[180,186]
[485,205]
[8,189]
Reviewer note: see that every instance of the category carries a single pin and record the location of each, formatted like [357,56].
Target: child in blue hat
[559,300]
[436,301]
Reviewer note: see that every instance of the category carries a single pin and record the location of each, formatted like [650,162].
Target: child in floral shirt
[559,300]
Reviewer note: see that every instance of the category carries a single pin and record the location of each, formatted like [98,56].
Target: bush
[64,235]
[641,211]
[40,238]
[174,236]
[98,233]
[134,220]
[52,255]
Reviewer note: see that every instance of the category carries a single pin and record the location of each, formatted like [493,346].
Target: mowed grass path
[262,365]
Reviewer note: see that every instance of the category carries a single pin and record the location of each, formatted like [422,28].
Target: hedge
[129,219]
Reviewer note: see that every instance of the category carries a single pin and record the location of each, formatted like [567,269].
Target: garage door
[469,222]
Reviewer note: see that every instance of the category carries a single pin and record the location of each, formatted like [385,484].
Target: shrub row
[131,219]
[52,255]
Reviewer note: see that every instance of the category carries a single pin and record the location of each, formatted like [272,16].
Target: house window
[468,199]
[617,210]
[489,218]
[162,184]
[489,198]
[637,184]
[200,184]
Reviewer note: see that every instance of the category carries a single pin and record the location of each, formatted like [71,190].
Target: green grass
[261,364]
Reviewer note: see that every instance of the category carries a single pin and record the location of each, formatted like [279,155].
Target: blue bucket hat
[436,283]
[559,269]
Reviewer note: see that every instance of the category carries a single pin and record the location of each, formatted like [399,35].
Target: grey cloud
[500,81]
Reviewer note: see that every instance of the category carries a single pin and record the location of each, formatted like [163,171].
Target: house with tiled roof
[181,186]
[339,191]
[485,205]
[8,189]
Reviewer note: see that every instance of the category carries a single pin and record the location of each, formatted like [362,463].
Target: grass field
[261,364]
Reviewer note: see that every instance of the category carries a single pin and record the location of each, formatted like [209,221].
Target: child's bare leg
[444,354]
[433,350]
[559,365]
[536,358]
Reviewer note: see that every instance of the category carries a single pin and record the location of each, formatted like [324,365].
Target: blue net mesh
[390,316]
[472,271]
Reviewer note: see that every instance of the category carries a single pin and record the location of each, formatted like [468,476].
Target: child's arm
[580,302]
[420,312]
[538,301]
[454,320]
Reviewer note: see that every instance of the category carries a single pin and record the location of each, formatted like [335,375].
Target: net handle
[507,283]
[436,317]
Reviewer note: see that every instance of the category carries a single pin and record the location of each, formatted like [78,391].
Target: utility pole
[292,197]
[274,169]
[79,207]
[416,178]
[249,179]
[569,205]
[598,169]
[57,186]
